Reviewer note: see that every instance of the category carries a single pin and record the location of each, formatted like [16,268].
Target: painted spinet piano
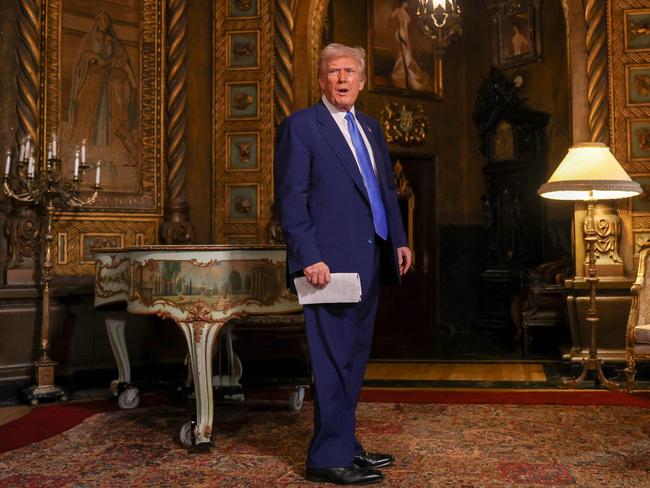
[201,288]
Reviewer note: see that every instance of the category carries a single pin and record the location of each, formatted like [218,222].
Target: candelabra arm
[79,202]
[27,197]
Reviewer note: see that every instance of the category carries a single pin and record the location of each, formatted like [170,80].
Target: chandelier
[439,20]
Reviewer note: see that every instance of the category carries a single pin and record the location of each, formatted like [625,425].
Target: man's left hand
[404,259]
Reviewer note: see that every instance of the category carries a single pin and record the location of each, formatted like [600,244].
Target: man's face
[341,81]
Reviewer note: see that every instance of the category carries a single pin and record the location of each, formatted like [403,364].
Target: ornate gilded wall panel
[243,118]
[103,83]
[629,72]
[76,237]
[630,83]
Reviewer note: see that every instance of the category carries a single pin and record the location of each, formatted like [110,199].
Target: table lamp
[590,172]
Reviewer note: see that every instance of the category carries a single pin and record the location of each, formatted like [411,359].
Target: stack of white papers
[344,288]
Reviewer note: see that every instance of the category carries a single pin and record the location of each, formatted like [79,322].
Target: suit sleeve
[394,214]
[292,183]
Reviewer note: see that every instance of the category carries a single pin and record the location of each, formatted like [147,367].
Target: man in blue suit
[338,209]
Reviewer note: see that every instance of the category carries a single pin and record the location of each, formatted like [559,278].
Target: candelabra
[45,187]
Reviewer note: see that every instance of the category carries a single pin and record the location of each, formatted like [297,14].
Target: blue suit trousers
[339,337]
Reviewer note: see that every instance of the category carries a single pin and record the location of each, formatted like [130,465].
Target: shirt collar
[338,114]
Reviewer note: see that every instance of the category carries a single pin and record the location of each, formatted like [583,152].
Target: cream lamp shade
[589,172]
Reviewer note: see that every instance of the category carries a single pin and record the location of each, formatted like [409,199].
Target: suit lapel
[332,134]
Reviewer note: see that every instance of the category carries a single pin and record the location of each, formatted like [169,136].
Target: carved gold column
[23,225]
[283,59]
[318,13]
[596,45]
[176,228]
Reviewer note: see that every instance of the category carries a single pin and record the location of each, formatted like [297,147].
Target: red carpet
[515,397]
[261,444]
[48,420]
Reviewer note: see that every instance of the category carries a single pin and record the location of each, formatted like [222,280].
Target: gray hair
[335,50]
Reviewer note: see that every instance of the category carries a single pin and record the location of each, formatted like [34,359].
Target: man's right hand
[318,274]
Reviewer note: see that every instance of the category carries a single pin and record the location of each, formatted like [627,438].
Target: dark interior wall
[454,140]
[547,89]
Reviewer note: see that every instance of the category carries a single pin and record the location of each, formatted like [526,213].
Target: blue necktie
[369,178]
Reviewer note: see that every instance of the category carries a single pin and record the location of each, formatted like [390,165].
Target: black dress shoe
[373,460]
[353,475]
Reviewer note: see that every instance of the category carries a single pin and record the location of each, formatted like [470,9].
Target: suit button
[371,240]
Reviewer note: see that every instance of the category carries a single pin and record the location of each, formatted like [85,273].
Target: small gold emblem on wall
[403,124]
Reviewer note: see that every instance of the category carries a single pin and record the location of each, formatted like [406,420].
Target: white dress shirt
[339,118]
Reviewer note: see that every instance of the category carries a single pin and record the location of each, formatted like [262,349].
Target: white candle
[97,174]
[30,167]
[54,144]
[8,163]
[83,151]
[21,157]
[49,152]
[76,163]
[28,148]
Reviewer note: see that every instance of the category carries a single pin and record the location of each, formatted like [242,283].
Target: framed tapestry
[104,86]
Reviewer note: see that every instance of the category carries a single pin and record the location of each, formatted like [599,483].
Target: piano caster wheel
[187,435]
[296,398]
[34,402]
[129,398]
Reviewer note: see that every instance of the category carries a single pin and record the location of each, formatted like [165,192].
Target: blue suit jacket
[321,199]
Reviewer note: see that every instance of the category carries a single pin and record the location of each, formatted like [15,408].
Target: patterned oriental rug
[261,443]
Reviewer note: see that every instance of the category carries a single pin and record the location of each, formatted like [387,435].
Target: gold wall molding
[23,222]
[284,52]
[622,112]
[29,68]
[626,118]
[75,233]
[318,11]
[255,86]
[596,44]
[176,228]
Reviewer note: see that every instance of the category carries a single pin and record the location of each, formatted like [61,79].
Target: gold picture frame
[127,134]
[243,151]
[387,71]
[637,84]
[243,9]
[638,139]
[239,54]
[517,38]
[636,27]
[242,203]
[242,100]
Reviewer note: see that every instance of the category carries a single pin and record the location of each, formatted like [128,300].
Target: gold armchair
[638,325]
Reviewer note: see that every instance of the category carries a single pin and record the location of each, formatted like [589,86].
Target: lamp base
[45,389]
[591,364]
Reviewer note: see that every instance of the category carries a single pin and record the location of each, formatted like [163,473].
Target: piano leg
[229,382]
[128,396]
[115,330]
[200,338]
